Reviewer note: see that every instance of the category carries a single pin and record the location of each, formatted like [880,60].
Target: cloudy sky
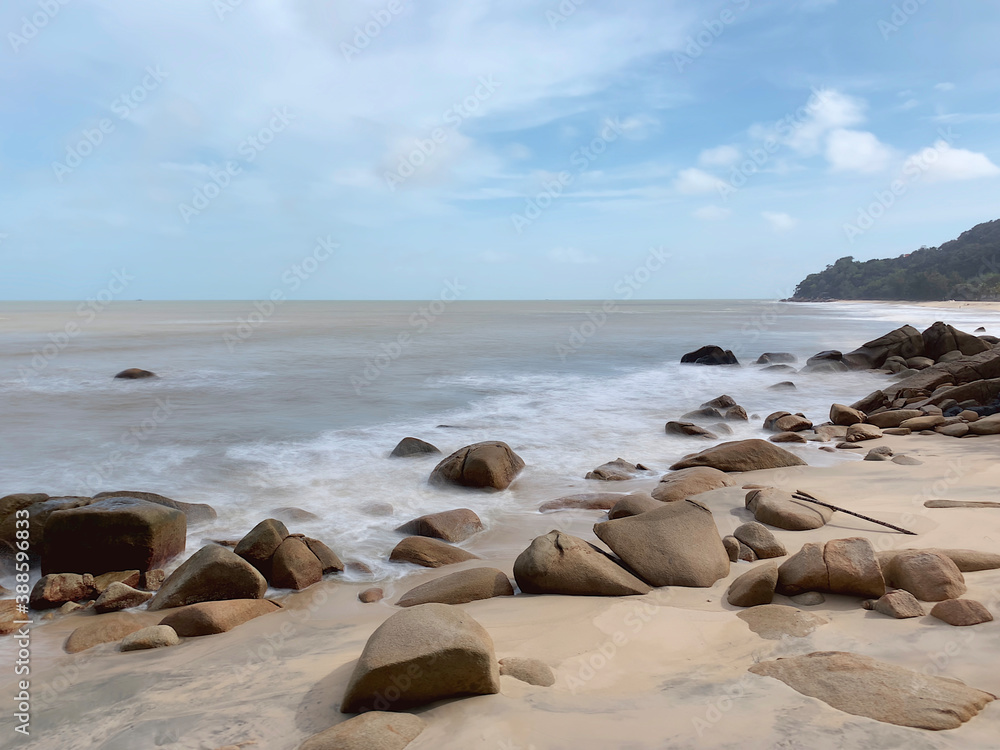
[216,149]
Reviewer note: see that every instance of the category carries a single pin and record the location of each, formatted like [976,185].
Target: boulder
[853,568]
[134,373]
[720,402]
[411,446]
[289,513]
[928,575]
[55,589]
[370,596]
[776,358]
[956,430]
[780,509]
[151,580]
[710,355]
[104,629]
[919,363]
[775,621]
[791,423]
[212,573]
[118,596]
[209,618]
[689,429]
[754,587]
[328,560]
[808,599]
[294,566]
[788,437]
[784,385]
[128,577]
[686,483]
[899,604]
[879,453]
[618,470]
[830,360]
[740,455]
[375,730]
[862,686]
[705,412]
[676,545]
[260,544]
[558,563]
[926,422]
[773,417]
[450,525]
[531,671]
[111,535]
[430,553]
[736,414]
[155,636]
[760,539]
[893,418]
[194,512]
[459,588]
[441,649]
[489,465]
[986,425]
[857,433]
[634,505]
[583,501]
[941,339]
[732,545]
[961,612]
[845,415]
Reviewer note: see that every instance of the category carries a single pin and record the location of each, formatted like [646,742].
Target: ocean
[260,406]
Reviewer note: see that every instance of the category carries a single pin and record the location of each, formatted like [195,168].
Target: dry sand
[667,670]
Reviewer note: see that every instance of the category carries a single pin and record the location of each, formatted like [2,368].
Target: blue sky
[525,149]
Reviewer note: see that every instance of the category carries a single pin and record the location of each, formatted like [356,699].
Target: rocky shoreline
[104,586]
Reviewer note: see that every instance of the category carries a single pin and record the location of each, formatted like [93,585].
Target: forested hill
[967,268]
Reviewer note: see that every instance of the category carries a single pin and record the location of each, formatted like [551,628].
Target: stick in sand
[800,495]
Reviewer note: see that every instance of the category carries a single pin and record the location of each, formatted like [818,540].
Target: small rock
[618,470]
[928,575]
[689,429]
[488,465]
[881,453]
[134,373]
[809,598]
[680,485]
[961,612]
[857,433]
[55,589]
[411,446]
[372,595]
[104,629]
[760,539]
[429,553]
[780,509]
[634,505]
[754,587]
[260,544]
[155,636]
[531,671]
[128,577]
[732,545]
[117,596]
[899,604]
[450,525]
[788,437]
[294,566]
[906,461]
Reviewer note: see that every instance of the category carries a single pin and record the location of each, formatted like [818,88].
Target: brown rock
[209,618]
[853,568]
[117,596]
[212,573]
[732,545]
[688,429]
[464,586]
[430,553]
[128,577]
[741,455]
[953,430]
[489,465]
[441,649]
[986,425]
[804,571]
[634,505]
[583,501]
[411,446]
[618,470]
[899,604]
[152,579]
[780,509]
[680,485]
[194,512]
[558,563]
[328,559]
[104,629]
[791,423]
[916,424]
[862,686]
[55,589]
[961,612]
[260,544]
[376,730]
[760,539]
[857,433]
[893,418]
[531,671]
[787,437]
[676,545]
[754,587]
[134,373]
[294,566]
[372,595]
[450,525]
[929,576]
[774,621]
[845,415]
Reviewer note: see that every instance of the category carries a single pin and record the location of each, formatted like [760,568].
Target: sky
[238,149]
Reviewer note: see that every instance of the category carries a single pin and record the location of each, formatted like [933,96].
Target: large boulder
[209,618]
[858,433]
[489,465]
[441,650]
[754,587]
[429,553]
[927,574]
[688,429]
[450,525]
[618,470]
[460,588]
[940,339]
[845,416]
[55,589]
[893,417]
[634,505]
[376,730]
[676,545]
[841,566]
[118,533]
[294,566]
[862,686]
[558,563]
[104,629]
[829,360]
[776,358]
[760,539]
[905,342]
[260,544]
[194,512]
[710,355]
[212,573]
[741,455]
[961,612]
[411,446]
[783,511]
[680,485]
[328,560]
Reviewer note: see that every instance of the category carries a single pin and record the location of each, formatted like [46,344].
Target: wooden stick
[800,495]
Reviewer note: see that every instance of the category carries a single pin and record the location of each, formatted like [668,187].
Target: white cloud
[827,110]
[638,127]
[712,213]
[780,222]
[696,182]
[946,86]
[856,151]
[571,255]
[720,156]
[942,163]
